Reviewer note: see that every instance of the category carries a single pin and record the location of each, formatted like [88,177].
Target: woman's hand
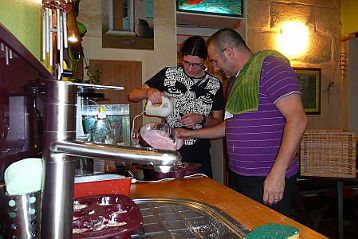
[190,120]
[154,95]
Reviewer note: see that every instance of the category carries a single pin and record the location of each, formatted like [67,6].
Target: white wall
[164,53]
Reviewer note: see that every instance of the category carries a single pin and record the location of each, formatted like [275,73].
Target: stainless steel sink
[166,218]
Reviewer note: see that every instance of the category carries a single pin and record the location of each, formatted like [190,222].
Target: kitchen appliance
[161,110]
[158,110]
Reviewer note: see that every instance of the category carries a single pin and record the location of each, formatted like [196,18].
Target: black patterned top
[189,95]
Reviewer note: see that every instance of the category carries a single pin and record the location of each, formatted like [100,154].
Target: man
[264,120]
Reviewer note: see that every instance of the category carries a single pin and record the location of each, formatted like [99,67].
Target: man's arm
[189,120]
[216,117]
[296,120]
[214,132]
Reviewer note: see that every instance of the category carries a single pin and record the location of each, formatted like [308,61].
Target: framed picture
[227,8]
[310,83]
[128,24]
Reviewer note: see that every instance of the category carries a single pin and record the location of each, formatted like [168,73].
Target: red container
[101,184]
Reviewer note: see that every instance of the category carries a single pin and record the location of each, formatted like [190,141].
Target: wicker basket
[328,153]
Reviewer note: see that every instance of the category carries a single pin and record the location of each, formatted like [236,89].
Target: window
[128,24]
[121,17]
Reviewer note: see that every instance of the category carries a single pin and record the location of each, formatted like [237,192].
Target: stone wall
[322,17]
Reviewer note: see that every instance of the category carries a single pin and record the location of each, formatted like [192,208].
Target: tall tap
[60,149]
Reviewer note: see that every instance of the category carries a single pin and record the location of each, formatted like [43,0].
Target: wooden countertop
[243,209]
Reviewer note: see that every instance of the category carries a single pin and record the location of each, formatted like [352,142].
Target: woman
[197,97]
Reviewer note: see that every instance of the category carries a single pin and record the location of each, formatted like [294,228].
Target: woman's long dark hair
[194,46]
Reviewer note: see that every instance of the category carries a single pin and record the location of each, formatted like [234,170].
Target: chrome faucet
[60,149]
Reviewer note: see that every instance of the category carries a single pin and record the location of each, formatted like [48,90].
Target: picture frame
[128,24]
[310,83]
[226,8]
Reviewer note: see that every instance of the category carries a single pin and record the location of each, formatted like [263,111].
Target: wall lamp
[293,39]
[72,38]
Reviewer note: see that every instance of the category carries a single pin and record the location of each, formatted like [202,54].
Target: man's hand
[189,120]
[183,133]
[274,186]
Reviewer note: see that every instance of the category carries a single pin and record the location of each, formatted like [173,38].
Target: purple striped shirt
[253,139]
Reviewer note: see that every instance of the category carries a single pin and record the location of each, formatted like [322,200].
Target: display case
[119,116]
